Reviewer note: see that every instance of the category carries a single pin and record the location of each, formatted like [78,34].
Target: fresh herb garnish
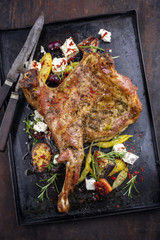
[29,125]
[35,141]
[44,189]
[93,47]
[130,185]
[112,155]
[95,173]
[50,166]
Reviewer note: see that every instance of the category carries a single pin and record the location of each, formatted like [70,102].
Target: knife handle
[4,90]
[7,120]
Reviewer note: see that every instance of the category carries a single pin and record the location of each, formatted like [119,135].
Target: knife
[21,58]
[18,69]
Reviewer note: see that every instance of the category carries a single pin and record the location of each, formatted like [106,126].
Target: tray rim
[19,216]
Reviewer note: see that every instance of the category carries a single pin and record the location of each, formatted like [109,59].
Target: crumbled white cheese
[42,50]
[59,65]
[38,116]
[130,158]
[35,65]
[119,148]
[55,159]
[69,48]
[105,35]
[40,127]
[90,183]
[110,50]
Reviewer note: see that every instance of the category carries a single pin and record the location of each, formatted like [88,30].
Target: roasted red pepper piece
[103,187]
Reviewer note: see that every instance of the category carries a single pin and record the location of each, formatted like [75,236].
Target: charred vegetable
[103,187]
[120,165]
[102,164]
[120,178]
[46,66]
[87,167]
[118,140]
[41,156]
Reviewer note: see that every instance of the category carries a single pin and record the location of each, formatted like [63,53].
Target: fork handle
[7,120]
[4,90]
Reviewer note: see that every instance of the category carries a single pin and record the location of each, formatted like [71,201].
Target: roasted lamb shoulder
[93,103]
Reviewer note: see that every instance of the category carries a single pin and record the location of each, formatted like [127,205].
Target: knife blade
[11,107]
[21,58]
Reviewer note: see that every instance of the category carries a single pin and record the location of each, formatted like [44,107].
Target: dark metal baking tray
[126,44]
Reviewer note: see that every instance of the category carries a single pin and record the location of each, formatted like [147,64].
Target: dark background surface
[142,225]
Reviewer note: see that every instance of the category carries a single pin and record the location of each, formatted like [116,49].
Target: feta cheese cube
[105,35]
[90,183]
[130,158]
[119,148]
[42,50]
[69,48]
[35,65]
[40,127]
[59,65]
[38,116]
[55,159]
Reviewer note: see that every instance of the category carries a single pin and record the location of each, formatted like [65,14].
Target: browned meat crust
[93,103]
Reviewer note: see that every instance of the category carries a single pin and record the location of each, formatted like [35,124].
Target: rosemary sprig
[44,189]
[95,173]
[93,47]
[112,155]
[130,185]
[50,166]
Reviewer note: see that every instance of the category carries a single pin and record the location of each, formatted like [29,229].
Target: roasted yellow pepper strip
[120,139]
[46,66]
[87,167]
[120,178]
[120,165]
[71,66]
